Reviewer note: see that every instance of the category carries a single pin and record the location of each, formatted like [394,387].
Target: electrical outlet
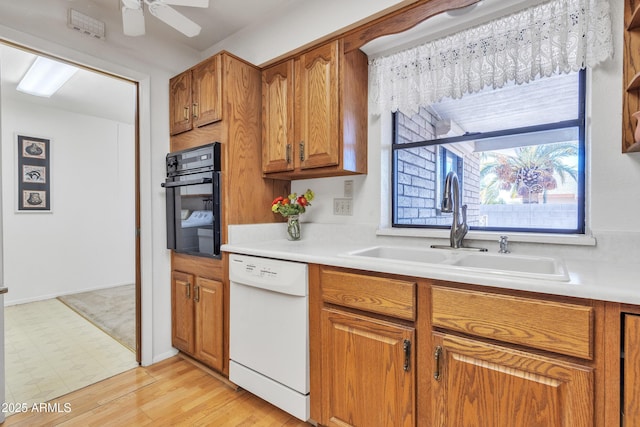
[342,207]
[348,189]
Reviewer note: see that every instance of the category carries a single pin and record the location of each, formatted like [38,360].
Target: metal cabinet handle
[436,355]
[188,285]
[288,153]
[406,347]
[196,111]
[301,146]
[186,113]
[197,297]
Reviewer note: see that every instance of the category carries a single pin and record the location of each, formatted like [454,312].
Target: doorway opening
[86,243]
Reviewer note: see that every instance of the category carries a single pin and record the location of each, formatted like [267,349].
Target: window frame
[579,123]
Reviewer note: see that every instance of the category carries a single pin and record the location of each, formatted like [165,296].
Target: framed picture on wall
[34,172]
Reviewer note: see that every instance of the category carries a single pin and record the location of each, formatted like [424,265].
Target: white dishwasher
[269,331]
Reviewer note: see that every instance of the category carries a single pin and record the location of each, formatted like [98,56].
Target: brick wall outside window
[418,199]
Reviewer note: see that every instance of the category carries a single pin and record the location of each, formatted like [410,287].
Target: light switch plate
[348,189]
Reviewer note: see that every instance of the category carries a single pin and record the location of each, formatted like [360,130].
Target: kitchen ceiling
[221,19]
[93,93]
[87,92]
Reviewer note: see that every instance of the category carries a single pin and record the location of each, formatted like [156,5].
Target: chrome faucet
[451,203]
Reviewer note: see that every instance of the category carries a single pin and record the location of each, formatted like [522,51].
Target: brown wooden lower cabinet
[631,394]
[182,305]
[368,373]
[478,356]
[208,322]
[197,317]
[485,385]
[363,344]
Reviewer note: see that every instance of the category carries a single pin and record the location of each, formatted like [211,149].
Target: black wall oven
[193,201]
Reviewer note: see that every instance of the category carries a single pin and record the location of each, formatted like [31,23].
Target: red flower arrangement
[292,204]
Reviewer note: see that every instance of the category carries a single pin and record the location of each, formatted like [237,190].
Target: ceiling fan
[133,16]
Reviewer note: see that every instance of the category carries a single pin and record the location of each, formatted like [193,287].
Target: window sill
[555,239]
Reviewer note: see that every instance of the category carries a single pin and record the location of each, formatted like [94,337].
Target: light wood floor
[50,350]
[174,392]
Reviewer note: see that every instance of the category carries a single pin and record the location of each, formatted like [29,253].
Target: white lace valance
[551,38]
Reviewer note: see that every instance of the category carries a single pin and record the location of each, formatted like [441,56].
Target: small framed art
[34,172]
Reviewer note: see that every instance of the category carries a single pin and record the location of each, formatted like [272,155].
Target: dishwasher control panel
[254,270]
[277,275]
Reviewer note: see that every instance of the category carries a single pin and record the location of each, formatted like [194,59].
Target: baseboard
[56,295]
[208,370]
[163,356]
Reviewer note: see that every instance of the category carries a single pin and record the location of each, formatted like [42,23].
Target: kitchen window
[502,100]
[518,152]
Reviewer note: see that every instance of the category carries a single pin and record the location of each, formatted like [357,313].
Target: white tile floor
[50,351]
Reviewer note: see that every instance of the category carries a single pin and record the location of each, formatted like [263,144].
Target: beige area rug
[113,310]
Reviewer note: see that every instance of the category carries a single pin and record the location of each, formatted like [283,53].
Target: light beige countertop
[591,274]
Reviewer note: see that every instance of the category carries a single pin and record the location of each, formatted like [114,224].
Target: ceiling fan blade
[189,3]
[174,18]
[132,21]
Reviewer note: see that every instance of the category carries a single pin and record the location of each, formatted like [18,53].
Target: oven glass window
[194,215]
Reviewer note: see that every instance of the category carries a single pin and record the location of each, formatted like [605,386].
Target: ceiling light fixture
[45,77]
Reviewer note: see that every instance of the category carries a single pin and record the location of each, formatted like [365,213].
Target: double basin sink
[525,266]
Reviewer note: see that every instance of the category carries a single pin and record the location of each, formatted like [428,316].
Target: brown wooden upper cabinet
[314,109]
[195,96]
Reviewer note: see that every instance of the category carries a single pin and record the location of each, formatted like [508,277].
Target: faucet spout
[459,228]
[451,203]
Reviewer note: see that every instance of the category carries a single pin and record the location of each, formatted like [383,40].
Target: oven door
[193,213]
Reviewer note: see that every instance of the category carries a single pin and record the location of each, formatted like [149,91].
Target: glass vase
[293,227]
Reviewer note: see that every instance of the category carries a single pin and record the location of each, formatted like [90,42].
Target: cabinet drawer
[390,297]
[557,327]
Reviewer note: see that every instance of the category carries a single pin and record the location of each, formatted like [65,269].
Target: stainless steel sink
[525,266]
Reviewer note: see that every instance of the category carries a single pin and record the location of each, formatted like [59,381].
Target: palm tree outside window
[528,172]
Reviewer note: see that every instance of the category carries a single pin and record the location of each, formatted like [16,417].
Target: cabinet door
[209,327]
[277,118]
[368,371]
[180,101]
[318,110]
[182,332]
[207,92]
[483,385]
[631,405]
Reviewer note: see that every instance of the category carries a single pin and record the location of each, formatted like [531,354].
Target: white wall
[87,241]
[613,176]
[2,370]
[302,23]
